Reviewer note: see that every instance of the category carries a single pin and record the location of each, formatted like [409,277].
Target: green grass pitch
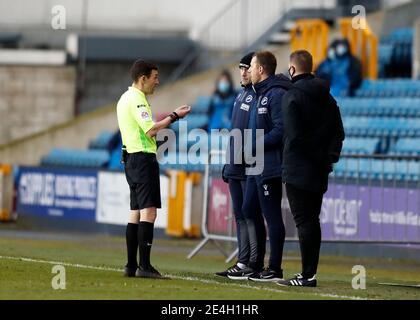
[94,271]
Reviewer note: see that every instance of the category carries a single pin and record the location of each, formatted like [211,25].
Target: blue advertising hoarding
[56,192]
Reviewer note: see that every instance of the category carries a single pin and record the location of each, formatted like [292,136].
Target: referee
[138,133]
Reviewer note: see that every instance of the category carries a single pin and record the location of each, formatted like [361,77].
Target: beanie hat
[246,60]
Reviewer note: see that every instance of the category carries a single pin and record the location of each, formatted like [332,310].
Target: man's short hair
[141,68]
[302,59]
[268,61]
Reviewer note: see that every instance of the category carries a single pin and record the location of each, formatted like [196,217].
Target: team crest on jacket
[245,107]
[264,101]
[248,99]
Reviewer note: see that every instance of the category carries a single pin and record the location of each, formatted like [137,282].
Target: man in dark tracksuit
[313,137]
[234,170]
[263,192]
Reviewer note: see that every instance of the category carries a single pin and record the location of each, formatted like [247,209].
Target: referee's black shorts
[142,173]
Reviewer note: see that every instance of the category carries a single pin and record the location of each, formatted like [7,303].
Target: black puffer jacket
[313,133]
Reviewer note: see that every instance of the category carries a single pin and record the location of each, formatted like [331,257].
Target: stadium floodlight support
[208,236]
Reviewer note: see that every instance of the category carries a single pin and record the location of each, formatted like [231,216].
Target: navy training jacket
[267,115]
[240,118]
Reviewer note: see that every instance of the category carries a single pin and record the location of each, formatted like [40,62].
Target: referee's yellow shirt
[135,119]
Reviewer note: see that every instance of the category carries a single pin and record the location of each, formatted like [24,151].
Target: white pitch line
[82,266]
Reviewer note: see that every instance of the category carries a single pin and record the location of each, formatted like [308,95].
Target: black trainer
[149,272]
[242,274]
[129,272]
[267,275]
[231,269]
[298,281]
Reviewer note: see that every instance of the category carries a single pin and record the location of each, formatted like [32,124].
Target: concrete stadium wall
[34,98]
[105,81]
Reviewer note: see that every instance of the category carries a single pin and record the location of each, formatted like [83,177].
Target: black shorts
[142,173]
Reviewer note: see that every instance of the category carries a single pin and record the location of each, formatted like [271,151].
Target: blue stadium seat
[407,146]
[115,159]
[380,107]
[106,140]
[395,53]
[381,127]
[180,161]
[375,169]
[361,145]
[76,158]
[201,105]
[193,121]
[389,88]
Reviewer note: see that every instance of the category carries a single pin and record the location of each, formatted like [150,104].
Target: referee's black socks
[132,244]
[145,234]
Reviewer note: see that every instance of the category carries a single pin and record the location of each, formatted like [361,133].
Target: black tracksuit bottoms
[306,208]
[265,197]
[237,192]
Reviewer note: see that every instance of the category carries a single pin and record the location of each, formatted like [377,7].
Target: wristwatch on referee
[174,117]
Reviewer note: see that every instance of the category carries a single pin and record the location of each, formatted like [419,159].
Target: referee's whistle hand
[182,111]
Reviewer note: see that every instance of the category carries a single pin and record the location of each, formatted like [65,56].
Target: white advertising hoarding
[113,206]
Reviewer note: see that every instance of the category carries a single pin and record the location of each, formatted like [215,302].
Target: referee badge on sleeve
[144,114]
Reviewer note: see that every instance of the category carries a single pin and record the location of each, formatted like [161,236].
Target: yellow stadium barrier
[311,35]
[363,44]
[180,204]
[6,193]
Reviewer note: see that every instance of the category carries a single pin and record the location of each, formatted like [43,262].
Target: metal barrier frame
[208,236]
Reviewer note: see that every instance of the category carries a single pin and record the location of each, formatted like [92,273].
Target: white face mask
[331,53]
[223,86]
[341,50]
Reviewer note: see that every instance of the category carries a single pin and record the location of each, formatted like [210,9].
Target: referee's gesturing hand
[138,131]
[179,113]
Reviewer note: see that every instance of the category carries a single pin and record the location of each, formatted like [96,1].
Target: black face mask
[291,74]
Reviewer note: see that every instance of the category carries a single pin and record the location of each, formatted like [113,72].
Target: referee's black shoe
[234,268]
[298,281]
[149,272]
[130,272]
[267,275]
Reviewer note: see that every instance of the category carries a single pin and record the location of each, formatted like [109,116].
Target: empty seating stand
[375,169]
[406,146]
[380,107]
[389,88]
[395,53]
[381,127]
[361,145]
